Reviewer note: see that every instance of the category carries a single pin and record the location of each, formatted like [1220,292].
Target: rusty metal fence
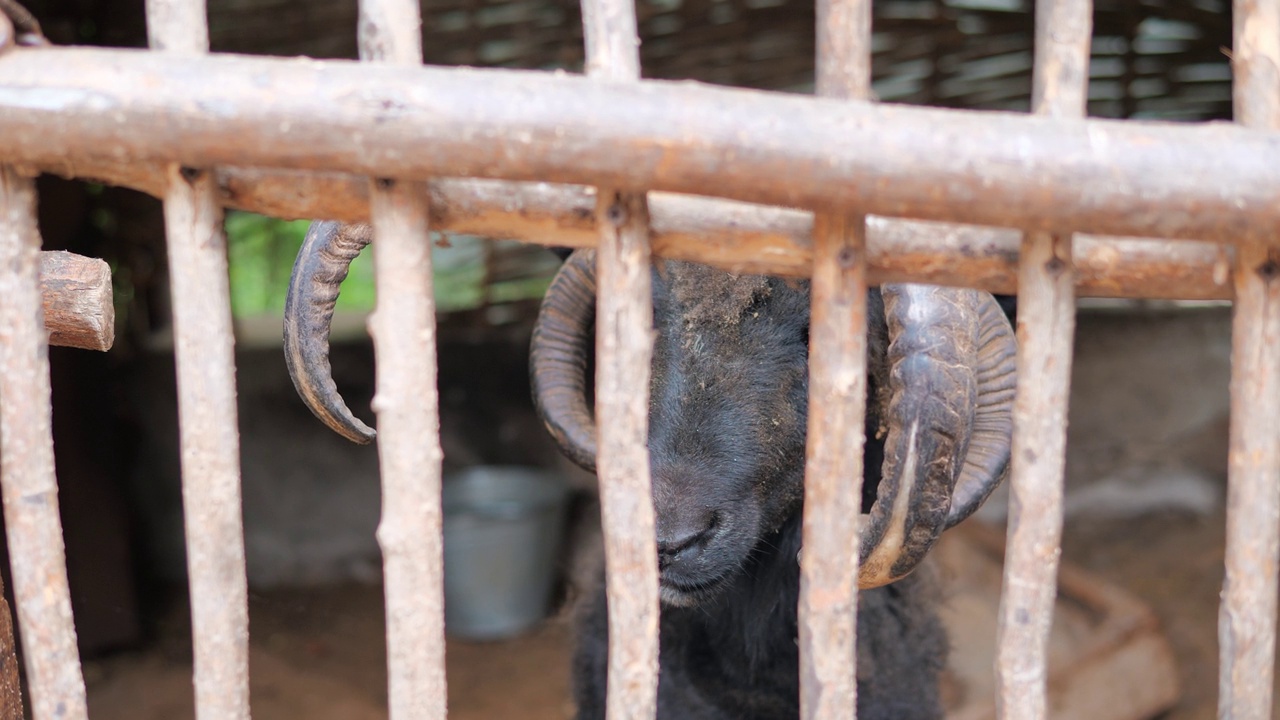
[1093,207]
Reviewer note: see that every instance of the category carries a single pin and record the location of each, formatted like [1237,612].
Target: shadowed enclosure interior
[1091,207]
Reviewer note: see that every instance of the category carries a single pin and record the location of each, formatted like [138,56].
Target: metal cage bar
[1046,329]
[1247,616]
[629,137]
[735,236]
[406,403]
[837,403]
[208,432]
[624,347]
[403,327]
[1051,175]
[32,524]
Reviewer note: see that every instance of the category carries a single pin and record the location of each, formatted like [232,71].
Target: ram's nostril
[681,542]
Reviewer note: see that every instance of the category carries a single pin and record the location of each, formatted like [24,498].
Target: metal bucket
[502,533]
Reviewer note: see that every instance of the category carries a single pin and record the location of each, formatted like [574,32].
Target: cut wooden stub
[76,292]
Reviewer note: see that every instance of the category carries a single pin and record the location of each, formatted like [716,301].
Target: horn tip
[360,434]
[350,427]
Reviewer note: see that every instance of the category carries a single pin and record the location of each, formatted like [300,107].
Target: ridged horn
[318,272]
[951,374]
[558,355]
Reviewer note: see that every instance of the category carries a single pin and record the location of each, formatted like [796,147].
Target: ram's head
[729,402]
[728,410]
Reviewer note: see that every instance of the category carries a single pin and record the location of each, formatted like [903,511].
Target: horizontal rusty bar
[732,235]
[1210,181]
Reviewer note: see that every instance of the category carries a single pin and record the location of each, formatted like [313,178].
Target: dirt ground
[1146,478]
[318,654]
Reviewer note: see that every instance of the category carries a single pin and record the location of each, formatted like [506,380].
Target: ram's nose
[682,538]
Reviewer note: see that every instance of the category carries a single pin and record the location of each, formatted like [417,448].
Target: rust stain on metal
[403,330]
[624,348]
[837,402]
[210,447]
[10,686]
[833,472]
[738,237]
[538,126]
[1046,329]
[27,481]
[403,327]
[1247,617]
[208,432]
[1225,181]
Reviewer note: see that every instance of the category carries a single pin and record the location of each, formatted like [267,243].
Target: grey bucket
[502,532]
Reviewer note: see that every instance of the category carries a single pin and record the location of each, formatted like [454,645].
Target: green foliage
[261,251]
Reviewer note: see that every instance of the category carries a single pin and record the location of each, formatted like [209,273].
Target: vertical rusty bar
[210,444]
[1247,616]
[30,489]
[837,402]
[404,331]
[624,348]
[1046,326]
[10,685]
[404,335]
[844,49]
[209,436]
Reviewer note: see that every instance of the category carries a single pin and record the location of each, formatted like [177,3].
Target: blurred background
[1147,444]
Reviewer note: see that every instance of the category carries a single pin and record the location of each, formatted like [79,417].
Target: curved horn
[318,273]
[558,355]
[951,380]
[987,462]
[951,355]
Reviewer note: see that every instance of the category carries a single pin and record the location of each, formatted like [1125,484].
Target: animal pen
[1090,207]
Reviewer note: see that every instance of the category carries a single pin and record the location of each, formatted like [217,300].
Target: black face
[727,420]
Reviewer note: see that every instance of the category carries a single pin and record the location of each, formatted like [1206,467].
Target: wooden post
[208,430]
[27,480]
[837,403]
[404,330]
[1247,617]
[1046,328]
[624,349]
